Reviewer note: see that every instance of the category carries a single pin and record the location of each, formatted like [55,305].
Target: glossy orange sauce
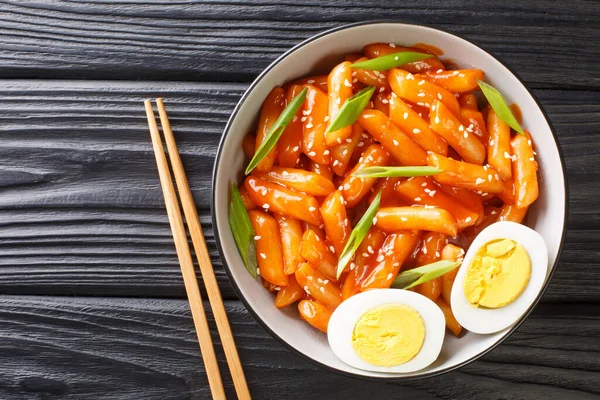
[429,48]
[516,110]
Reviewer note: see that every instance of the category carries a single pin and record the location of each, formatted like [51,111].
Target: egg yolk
[498,274]
[388,335]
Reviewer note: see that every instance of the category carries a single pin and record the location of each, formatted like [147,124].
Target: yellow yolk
[498,274]
[388,335]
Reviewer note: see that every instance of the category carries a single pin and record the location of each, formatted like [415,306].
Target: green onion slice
[390,61]
[500,107]
[389,172]
[277,129]
[414,277]
[351,109]
[358,234]
[242,230]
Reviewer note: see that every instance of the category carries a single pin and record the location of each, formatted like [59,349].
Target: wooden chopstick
[204,262]
[185,260]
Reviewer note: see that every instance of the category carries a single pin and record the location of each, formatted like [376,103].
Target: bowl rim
[222,252]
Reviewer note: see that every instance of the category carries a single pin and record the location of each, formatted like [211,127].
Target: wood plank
[549,43]
[81,210]
[69,348]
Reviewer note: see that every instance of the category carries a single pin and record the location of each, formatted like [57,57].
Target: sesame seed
[263,192]
[311,208]
[466,134]
[384,101]
[352,266]
[483,193]
[353,73]
[468,219]
[417,199]
[531,159]
[322,289]
[492,142]
[479,181]
[422,81]
[494,212]
[326,152]
[310,277]
[346,186]
[424,250]
[421,94]
[326,118]
[427,190]
[437,253]
[529,142]
[310,145]
[439,96]
[277,288]
[338,100]
[257,271]
[348,140]
[370,249]
[354,80]
[416,130]
[367,116]
[424,184]
[432,108]
[439,70]
[406,115]
[365,254]
[345,152]
[390,275]
[312,154]
[347,83]
[437,119]
[302,119]
[506,155]
[403,219]
[392,45]
[326,281]
[374,220]
[339,140]
[309,125]
[410,76]
[296,148]
[534,153]
[319,280]
[461,128]
[485,167]
[332,249]
[306,288]
[421,104]
[295,118]
[395,142]
[490,177]
[257,237]
[396,58]
[455,73]
[336,162]
[361,144]
[339,187]
[310,81]
[266,206]
[432,193]
[496,176]
[263,256]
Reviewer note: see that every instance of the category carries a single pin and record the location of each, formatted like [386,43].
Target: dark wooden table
[93,304]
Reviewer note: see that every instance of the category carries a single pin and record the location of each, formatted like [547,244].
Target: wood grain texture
[81,209]
[550,43]
[73,348]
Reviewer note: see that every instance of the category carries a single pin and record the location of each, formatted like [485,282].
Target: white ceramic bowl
[318,54]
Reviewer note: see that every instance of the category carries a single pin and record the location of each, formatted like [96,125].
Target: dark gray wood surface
[92,303]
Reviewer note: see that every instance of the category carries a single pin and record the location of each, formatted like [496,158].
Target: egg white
[344,318]
[490,320]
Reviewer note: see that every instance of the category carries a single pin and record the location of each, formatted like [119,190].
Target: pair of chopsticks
[185,259]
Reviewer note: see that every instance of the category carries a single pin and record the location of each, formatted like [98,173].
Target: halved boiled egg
[500,277]
[387,330]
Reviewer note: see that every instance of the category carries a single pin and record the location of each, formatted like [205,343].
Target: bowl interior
[546,216]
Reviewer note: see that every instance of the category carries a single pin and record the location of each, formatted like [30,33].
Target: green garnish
[276,130]
[242,231]
[500,107]
[390,61]
[389,172]
[351,109]
[358,234]
[414,277]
